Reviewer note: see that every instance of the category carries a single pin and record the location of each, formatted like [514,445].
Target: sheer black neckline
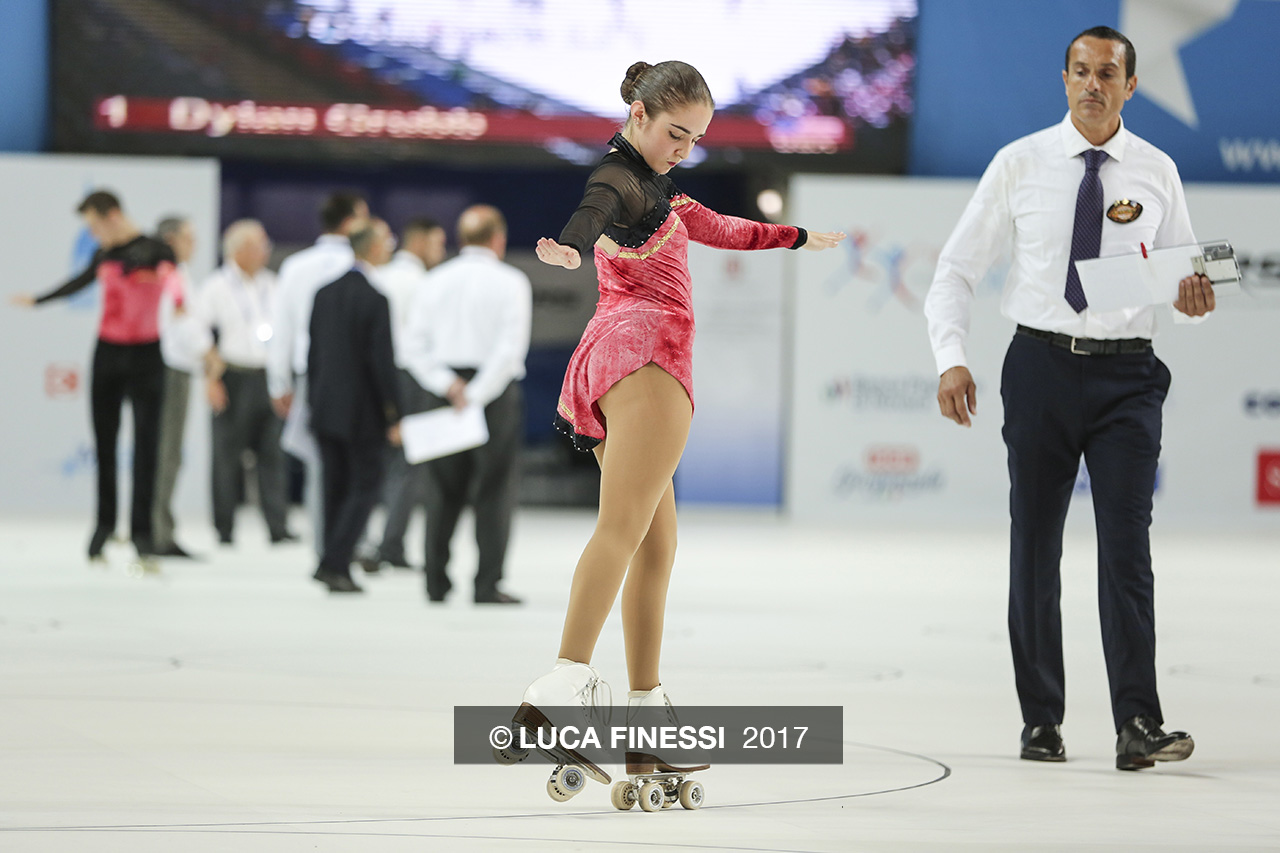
[624,145]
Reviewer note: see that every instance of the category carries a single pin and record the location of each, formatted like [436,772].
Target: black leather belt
[1088,346]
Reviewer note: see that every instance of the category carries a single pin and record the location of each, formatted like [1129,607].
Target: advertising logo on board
[61,381]
[871,393]
[888,472]
[1269,477]
[1260,404]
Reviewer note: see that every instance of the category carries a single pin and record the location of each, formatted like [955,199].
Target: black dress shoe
[285,538]
[175,550]
[1141,743]
[370,565]
[336,581]
[1043,743]
[498,598]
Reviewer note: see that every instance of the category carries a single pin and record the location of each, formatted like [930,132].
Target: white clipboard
[1151,277]
[442,432]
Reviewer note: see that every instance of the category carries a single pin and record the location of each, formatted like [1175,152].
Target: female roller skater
[628,393]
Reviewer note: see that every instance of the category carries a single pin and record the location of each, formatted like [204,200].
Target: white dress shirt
[1025,204]
[400,280]
[476,312]
[239,306]
[184,338]
[301,275]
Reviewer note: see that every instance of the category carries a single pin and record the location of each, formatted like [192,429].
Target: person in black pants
[134,270]
[1077,381]
[355,409]
[466,344]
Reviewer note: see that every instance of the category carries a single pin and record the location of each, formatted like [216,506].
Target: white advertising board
[866,443]
[48,461]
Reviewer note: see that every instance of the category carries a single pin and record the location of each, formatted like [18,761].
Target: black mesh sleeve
[614,195]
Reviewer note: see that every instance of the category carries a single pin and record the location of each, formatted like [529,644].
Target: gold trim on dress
[680,201]
[640,256]
[566,411]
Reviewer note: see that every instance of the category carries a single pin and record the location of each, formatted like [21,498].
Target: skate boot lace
[590,694]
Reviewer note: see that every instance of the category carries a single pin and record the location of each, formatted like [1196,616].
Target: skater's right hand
[22,300]
[551,252]
[958,395]
[393,434]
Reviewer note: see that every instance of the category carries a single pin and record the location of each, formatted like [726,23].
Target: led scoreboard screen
[523,80]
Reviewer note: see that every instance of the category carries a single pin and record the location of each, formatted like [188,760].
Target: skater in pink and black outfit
[628,393]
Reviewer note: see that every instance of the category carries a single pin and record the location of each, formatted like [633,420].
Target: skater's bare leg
[644,595]
[648,414]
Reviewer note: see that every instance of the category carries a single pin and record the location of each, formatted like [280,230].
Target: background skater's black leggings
[133,372]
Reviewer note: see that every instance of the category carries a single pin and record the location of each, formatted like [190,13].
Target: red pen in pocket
[1143,246]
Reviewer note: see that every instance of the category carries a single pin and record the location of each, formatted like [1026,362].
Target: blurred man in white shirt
[184,340]
[466,344]
[237,301]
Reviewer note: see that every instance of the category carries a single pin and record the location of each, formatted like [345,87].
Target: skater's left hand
[819,240]
[22,300]
[393,434]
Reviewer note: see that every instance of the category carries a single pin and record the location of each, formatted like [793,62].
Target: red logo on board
[61,380]
[1269,477]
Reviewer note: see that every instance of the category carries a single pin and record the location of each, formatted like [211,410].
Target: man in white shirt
[402,280]
[1075,382]
[236,301]
[301,275]
[466,343]
[184,339]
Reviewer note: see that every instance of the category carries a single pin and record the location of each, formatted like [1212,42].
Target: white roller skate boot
[652,782]
[572,689]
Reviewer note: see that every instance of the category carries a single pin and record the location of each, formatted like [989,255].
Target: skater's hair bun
[665,86]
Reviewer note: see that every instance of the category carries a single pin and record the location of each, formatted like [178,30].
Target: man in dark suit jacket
[354,406]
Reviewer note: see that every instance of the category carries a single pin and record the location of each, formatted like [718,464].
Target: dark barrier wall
[24,75]
[1208,82]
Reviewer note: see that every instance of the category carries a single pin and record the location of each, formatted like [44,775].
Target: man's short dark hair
[168,228]
[421,225]
[362,240]
[100,202]
[338,208]
[1130,55]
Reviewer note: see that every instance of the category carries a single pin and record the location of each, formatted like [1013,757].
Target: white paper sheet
[442,432]
[296,437]
[1132,281]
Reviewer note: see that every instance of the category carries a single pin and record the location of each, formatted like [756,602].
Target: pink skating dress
[645,310]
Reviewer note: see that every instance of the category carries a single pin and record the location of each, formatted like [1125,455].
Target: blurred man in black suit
[355,409]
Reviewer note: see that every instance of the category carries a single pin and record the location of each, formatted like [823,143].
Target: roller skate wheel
[623,795]
[651,797]
[691,794]
[565,783]
[510,754]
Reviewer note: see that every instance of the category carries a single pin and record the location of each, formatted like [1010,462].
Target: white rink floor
[232,705]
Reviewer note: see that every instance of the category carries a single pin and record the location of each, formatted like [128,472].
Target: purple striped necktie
[1086,236]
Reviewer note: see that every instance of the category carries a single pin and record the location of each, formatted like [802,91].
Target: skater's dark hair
[100,202]
[1130,55]
[665,86]
[338,208]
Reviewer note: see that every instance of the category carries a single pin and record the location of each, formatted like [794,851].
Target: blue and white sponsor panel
[866,443]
